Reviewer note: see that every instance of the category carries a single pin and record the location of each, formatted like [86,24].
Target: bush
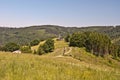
[1,48]
[48,46]
[10,47]
[40,50]
[26,49]
[67,38]
[34,52]
[34,42]
[78,40]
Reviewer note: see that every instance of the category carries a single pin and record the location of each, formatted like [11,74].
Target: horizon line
[59,25]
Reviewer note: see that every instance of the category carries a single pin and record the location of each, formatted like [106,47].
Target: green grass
[58,44]
[33,67]
[82,55]
[80,66]
[36,47]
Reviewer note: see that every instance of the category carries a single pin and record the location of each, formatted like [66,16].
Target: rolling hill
[76,64]
[24,35]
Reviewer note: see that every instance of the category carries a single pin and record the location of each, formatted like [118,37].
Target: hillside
[27,34]
[80,54]
[54,66]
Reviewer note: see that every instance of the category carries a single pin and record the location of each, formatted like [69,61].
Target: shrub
[26,49]
[77,39]
[48,46]
[67,38]
[10,47]
[34,52]
[40,50]
[34,42]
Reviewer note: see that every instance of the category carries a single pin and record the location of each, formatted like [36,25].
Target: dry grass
[49,67]
[33,67]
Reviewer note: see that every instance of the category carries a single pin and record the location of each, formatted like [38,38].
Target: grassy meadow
[77,65]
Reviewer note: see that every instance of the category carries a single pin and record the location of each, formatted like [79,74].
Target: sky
[69,13]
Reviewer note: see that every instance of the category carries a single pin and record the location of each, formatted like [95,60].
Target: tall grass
[49,67]
[82,55]
[33,67]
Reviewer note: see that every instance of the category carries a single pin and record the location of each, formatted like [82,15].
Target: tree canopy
[34,42]
[48,46]
[11,47]
[96,43]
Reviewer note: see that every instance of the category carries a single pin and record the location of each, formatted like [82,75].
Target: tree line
[97,43]
[11,46]
[47,47]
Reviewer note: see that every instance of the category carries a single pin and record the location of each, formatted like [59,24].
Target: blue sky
[20,13]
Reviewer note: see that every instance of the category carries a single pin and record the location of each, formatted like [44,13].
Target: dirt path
[75,62]
[70,49]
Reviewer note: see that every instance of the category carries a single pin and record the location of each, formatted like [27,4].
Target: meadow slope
[50,67]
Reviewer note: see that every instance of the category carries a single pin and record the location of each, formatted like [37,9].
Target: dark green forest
[96,43]
[23,36]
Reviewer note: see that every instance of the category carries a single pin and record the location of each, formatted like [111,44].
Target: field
[54,66]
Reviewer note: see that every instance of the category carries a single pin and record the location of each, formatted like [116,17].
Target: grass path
[76,62]
[86,63]
[61,55]
[58,54]
[70,49]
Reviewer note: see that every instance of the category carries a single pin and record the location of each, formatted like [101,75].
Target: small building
[17,52]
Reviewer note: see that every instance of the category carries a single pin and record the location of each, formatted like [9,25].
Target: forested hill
[27,34]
